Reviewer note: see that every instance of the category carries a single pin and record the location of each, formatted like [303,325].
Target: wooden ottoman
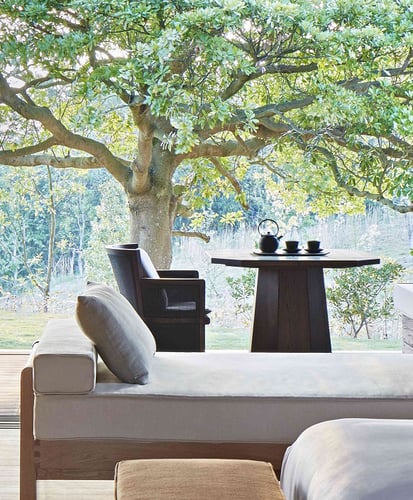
[199,479]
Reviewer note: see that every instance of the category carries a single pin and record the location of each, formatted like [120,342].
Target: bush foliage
[362,295]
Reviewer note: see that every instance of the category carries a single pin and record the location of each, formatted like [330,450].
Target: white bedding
[351,459]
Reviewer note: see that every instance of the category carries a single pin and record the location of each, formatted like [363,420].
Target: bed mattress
[232,397]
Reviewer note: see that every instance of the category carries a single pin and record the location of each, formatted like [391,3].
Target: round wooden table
[290,312]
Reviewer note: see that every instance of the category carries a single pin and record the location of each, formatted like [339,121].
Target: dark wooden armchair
[171,302]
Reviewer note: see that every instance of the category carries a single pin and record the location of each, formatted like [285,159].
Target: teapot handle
[268,220]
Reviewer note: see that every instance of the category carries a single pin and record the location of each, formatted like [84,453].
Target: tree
[110,225]
[242,291]
[319,92]
[361,295]
[35,228]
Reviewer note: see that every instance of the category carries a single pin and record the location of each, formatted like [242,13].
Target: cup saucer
[292,251]
[319,250]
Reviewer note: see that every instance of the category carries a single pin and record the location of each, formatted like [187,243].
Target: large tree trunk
[153,209]
[151,219]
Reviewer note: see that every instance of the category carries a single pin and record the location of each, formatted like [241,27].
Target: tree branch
[77,162]
[268,111]
[354,191]
[231,178]
[62,135]
[192,234]
[229,148]
[241,79]
[29,150]
[141,116]
[45,83]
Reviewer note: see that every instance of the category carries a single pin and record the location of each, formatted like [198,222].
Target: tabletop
[334,258]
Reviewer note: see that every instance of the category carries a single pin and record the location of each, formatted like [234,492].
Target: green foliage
[109,227]
[242,291]
[30,202]
[318,92]
[362,295]
[266,195]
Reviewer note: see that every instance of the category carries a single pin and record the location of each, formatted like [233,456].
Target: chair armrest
[175,282]
[177,290]
[178,273]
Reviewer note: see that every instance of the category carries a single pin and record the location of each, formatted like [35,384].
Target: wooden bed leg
[27,464]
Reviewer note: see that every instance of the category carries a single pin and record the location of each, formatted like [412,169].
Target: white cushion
[122,339]
[234,397]
[351,459]
[65,360]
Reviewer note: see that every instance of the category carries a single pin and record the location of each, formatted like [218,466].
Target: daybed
[78,419]
[351,459]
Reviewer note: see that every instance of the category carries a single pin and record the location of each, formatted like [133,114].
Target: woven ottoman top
[200,479]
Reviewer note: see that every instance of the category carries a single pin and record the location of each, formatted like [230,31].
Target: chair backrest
[124,261]
[130,264]
[145,264]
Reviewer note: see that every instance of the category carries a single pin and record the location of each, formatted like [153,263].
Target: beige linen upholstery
[233,397]
[65,360]
[195,479]
[122,339]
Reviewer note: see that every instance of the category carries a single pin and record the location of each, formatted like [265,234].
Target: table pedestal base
[290,313]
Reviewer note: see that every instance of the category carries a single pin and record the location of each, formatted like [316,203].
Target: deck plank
[11,364]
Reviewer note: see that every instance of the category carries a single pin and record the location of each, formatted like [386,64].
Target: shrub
[364,294]
[242,292]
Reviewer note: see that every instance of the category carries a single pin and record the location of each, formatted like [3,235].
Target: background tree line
[55,223]
[45,227]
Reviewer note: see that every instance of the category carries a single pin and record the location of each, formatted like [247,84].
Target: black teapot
[268,242]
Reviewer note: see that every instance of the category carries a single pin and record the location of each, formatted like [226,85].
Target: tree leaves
[165,82]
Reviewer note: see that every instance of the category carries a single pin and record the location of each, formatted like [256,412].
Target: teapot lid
[265,224]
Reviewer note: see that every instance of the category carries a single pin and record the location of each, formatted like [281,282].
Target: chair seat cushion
[190,305]
[184,307]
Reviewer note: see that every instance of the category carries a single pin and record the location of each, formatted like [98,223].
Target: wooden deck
[11,363]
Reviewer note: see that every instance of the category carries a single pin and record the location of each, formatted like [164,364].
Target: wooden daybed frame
[95,459]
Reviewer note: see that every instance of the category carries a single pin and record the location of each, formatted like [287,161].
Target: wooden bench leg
[27,464]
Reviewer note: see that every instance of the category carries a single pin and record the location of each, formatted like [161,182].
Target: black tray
[282,253]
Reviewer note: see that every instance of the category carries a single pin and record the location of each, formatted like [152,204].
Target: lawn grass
[19,331]
[227,338]
[349,344]
[239,338]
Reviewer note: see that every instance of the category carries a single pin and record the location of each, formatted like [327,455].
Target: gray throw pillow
[122,339]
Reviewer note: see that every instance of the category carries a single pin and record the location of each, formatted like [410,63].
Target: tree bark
[151,217]
[153,211]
